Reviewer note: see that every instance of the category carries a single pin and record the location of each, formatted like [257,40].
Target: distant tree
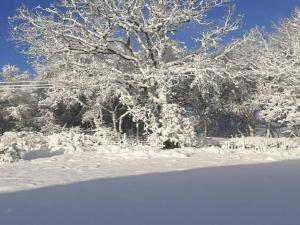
[281,85]
[268,64]
[19,105]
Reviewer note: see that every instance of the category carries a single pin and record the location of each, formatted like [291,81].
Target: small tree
[176,129]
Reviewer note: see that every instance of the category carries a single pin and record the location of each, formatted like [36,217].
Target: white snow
[145,185]
[98,188]
[57,166]
[114,64]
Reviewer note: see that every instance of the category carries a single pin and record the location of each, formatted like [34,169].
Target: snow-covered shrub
[24,140]
[73,140]
[14,145]
[106,135]
[69,141]
[263,144]
[176,130]
[27,145]
[9,153]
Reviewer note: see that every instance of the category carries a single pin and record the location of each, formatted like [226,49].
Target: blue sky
[256,12]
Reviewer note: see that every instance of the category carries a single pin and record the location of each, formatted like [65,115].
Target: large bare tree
[133,44]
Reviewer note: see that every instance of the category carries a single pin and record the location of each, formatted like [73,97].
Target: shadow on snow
[266,194]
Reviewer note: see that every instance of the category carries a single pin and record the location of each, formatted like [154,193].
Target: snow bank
[28,145]
[15,146]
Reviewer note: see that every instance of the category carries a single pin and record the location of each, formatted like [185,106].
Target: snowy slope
[261,194]
[144,185]
[43,168]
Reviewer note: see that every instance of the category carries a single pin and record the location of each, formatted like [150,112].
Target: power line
[32,85]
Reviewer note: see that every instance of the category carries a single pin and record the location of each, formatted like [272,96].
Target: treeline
[119,64]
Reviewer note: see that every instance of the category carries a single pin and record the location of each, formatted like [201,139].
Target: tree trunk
[96,123]
[137,133]
[205,132]
[244,142]
[251,130]
[162,97]
[114,121]
[297,131]
[269,129]
[162,102]
[121,122]
[205,128]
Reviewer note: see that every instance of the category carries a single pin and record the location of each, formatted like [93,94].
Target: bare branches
[135,30]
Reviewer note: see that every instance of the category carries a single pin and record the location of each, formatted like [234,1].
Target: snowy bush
[10,153]
[70,141]
[27,145]
[106,136]
[73,140]
[175,131]
[13,146]
[263,144]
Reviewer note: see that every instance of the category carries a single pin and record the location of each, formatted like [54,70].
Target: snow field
[64,158]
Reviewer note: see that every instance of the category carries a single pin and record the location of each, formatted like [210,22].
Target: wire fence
[28,85]
[35,85]
[17,85]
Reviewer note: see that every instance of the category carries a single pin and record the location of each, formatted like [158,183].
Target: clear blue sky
[256,12]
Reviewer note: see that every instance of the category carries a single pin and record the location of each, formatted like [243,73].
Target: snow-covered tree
[285,43]
[12,73]
[176,130]
[18,103]
[269,62]
[129,45]
[242,61]
[279,89]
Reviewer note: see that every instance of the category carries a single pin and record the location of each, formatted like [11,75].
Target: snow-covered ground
[258,194]
[147,186]
[44,168]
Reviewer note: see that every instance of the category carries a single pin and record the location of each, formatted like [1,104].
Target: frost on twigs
[175,131]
